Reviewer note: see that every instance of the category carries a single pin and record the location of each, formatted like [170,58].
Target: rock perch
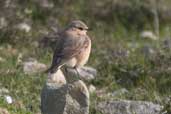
[59,97]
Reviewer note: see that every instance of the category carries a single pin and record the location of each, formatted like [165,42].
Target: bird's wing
[73,46]
[68,48]
[56,60]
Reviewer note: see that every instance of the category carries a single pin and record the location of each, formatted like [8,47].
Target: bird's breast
[83,56]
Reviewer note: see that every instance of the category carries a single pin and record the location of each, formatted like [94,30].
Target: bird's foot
[78,74]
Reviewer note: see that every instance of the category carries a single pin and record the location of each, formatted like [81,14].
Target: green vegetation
[117,49]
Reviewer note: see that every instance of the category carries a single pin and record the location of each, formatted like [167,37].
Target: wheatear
[73,48]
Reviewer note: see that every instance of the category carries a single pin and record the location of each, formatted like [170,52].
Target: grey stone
[92,88]
[33,66]
[120,52]
[3,22]
[8,99]
[167,43]
[24,27]
[3,90]
[148,50]
[128,107]
[148,35]
[84,73]
[119,92]
[64,98]
[53,99]
[45,3]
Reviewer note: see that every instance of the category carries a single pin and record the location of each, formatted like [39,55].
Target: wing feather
[68,48]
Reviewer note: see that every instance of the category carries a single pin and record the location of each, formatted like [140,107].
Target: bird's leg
[66,70]
[78,74]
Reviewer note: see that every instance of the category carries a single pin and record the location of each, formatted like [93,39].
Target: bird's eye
[80,28]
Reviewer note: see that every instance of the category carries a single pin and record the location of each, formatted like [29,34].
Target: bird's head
[78,26]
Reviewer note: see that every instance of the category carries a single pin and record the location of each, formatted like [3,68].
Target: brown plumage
[74,47]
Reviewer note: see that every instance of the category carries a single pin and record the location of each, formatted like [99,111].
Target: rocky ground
[130,60]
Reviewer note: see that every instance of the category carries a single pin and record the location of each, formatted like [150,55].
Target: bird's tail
[51,70]
[47,70]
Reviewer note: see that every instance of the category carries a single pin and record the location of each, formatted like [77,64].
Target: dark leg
[66,70]
[78,74]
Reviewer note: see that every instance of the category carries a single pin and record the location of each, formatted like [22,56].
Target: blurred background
[131,49]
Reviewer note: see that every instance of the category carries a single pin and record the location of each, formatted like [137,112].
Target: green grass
[145,77]
[135,72]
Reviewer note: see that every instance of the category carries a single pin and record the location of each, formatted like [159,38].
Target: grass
[116,69]
[116,54]
[22,87]
[134,72]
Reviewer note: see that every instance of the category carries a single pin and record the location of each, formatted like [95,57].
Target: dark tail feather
[55,66]
[51,70]
[47,70]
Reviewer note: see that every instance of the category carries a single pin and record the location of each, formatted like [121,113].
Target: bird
[73,48]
